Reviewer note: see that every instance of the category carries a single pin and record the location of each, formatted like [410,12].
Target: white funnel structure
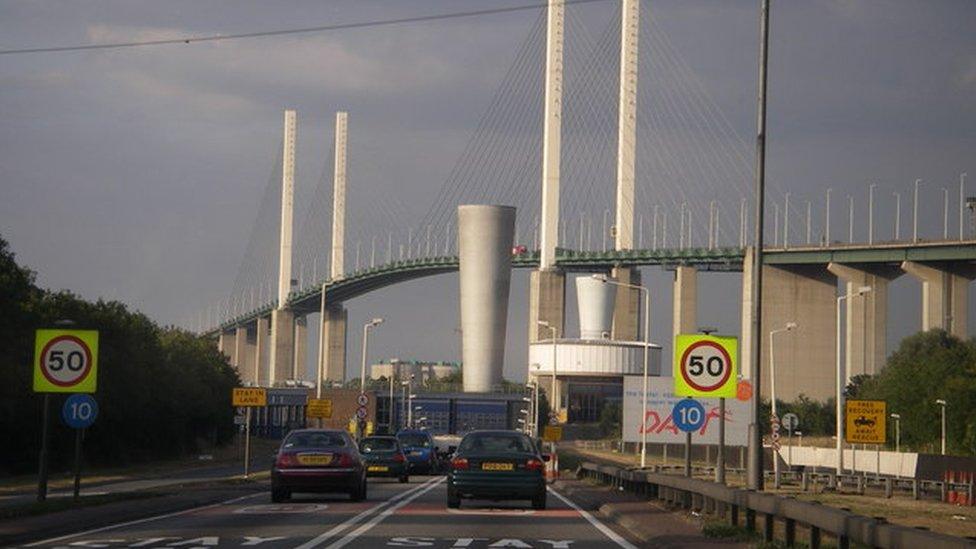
[485,238]
[596,300]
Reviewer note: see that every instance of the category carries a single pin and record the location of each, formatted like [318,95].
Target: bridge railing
[729,503]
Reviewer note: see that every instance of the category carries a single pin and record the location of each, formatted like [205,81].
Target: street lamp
[942,403]
[772,390]
[362,370]
[555,386]
[647,341]
[897,418]
[841,381]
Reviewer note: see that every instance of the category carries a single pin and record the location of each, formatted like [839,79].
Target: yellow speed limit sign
[65,361]
[705,365]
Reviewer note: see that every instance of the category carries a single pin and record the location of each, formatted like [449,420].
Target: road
[394,515]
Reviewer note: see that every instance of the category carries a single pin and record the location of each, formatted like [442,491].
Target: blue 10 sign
[79,411]
[688,415]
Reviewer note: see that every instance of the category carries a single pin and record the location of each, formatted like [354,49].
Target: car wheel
[539,502]
[404,479]
[359,494]
[279,495]
[453,499]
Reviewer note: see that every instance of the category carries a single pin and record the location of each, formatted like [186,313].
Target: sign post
[705,366]
[248,397]
[791,421]
[688,415]
[65,361]
[79,413]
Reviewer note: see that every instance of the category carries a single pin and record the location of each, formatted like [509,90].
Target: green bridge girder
[718,259]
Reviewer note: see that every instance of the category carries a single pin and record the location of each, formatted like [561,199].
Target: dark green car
[497,465]
[384,458]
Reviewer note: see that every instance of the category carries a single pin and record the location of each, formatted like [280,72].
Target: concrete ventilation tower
[596,306]
[485,238]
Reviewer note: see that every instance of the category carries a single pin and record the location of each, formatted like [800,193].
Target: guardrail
[727,502]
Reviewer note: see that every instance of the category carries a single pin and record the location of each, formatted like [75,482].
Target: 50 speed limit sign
[65,361]
[705,365]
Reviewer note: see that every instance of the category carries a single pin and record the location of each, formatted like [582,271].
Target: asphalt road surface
[394,515]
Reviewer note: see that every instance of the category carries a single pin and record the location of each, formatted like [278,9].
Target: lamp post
[393,371]
[897,418]
[555,386]
[772,390]
[362,371]
[897,214]
[871,212]
[841,382]
[647,341]
[915,212]
[942,403]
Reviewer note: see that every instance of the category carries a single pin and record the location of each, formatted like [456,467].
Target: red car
[318,460]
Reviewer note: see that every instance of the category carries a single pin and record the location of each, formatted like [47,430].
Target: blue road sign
[79,411]
[688,415]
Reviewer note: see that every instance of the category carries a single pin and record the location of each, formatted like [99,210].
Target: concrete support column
[547,301]
[240,344]
[299,370]
[867,316]
[945,295]
[225,344]
[685,301]
[282,345]
[805,361]
[334,338]
[246,364]
[261,374]
[627,311]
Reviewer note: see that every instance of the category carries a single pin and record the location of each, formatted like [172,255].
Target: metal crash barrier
[729,503]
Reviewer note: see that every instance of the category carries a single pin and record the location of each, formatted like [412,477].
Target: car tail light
[344,460]
[399,458]
[286,460]
[459,464]
[534,465]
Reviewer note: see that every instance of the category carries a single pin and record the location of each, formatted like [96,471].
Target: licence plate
[378,468]
[488,466]
[315,459]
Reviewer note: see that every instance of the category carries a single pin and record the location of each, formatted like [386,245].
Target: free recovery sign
[65,361]
[865,421]
[705,365]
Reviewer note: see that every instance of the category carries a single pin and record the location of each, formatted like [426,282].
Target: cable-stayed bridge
[615,161]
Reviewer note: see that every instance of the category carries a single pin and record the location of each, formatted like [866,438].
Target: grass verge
[63,504]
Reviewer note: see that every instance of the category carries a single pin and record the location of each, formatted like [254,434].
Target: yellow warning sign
[250,397]
[552,433]
[865,421]
[319,408]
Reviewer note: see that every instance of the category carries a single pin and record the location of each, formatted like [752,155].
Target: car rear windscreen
[495,442]
[314,440]
[414,441]
[374,445]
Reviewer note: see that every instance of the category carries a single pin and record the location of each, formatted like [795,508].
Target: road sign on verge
[791,421]
[361,412]
[250,397]
[79,411]
[362,399]
[65,361]
[688,415]
[705,365]
[552,433]
[865,421]
[319,407]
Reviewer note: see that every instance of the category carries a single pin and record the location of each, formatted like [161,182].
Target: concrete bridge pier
[807,295]
[627,311]
[301,348]
[866,325]
[685,301]
[945,294]
[225,344]
[333,343]
[282,350]
[547,302]
[261,334]
[244,353]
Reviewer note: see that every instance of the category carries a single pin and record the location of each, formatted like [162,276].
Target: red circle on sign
[76,341]
[721,350]
[744,391]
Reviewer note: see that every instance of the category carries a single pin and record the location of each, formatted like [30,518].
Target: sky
[136,174]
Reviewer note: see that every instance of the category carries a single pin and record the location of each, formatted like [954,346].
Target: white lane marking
[493,511]
[337,529]
[614,537]
[379,518]
[143,520]
[279,508]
